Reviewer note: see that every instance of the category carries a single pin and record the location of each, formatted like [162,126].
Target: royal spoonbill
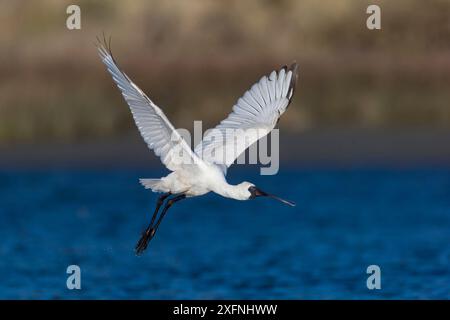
[254,115]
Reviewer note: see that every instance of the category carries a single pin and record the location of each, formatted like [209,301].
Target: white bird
[257,111]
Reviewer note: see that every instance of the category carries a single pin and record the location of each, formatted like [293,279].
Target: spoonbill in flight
[259,108]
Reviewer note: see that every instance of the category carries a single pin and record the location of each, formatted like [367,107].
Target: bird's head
[250,191]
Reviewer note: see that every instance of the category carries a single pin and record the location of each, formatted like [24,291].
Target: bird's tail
[153,184]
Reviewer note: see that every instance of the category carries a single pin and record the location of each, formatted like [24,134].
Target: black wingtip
[104,43]
[292,85]
[294,69]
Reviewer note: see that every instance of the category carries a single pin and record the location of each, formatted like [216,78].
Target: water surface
[214,248]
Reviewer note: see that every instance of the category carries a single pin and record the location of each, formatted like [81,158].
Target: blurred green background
[195,58]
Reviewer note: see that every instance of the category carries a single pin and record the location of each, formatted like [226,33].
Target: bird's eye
[252,191]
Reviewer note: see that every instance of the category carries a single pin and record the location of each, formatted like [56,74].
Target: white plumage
[155,128]
[253,117]
[198,172]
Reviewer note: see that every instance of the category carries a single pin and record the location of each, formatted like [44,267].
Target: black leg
[151,230]
[158,205]
[146,236]
[169,203]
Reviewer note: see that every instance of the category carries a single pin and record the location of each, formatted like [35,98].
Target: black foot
[144,240]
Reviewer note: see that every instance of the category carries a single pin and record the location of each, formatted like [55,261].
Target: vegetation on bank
[195,58]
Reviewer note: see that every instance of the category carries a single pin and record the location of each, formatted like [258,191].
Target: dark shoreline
[342,148]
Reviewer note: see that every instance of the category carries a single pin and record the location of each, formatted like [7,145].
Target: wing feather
[254,115]
[155,128]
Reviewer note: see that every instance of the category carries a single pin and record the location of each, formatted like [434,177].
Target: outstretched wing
[253,117]
[155,128]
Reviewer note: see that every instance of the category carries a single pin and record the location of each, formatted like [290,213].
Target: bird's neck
[229,191]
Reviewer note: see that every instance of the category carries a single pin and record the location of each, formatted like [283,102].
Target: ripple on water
[214,248]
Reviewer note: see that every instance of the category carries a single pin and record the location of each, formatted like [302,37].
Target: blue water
[214,248]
